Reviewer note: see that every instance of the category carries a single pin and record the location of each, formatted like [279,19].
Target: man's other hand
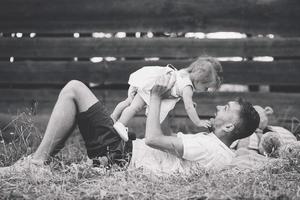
[163,84]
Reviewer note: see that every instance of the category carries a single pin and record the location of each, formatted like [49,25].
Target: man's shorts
[96,128]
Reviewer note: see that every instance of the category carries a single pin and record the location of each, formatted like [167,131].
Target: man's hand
[163,84]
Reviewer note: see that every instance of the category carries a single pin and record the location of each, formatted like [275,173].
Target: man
[76,104]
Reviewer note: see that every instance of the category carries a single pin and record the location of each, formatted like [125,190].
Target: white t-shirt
[199,150]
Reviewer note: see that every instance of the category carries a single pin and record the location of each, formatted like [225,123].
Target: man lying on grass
[77,105]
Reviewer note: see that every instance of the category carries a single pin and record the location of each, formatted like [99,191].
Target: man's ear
[268,110]
[228,127]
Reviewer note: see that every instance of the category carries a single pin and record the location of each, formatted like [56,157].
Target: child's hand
[204,123]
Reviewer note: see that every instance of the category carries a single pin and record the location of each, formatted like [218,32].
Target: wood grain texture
[117,72]
[286,106]
[136,125]
[250,16]
[143,47]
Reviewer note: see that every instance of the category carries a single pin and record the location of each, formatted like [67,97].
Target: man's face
[226,115]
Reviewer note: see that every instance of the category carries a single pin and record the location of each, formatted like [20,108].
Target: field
[73,177]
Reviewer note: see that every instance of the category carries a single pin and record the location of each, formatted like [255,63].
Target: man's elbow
[151,141]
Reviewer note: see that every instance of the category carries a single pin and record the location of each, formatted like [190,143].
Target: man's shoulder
[201,137]
[196,135]
[205,148]
[205,140]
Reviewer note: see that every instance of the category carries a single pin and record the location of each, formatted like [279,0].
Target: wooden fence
[35,66]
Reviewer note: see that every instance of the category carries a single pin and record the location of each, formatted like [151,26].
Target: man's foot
[27,164]
[121,130]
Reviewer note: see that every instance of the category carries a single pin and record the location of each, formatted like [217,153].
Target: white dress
[144,79]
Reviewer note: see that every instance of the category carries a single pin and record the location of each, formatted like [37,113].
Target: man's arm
[154,136]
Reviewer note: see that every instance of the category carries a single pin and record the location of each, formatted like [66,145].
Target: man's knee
[71,88]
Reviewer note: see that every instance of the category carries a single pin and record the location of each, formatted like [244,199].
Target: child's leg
[119,108]
[132,91]
[136,105]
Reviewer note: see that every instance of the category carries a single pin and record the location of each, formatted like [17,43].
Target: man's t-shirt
[199,150]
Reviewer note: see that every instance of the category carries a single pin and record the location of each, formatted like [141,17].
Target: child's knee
[132,91]
[128,101]
[136,108]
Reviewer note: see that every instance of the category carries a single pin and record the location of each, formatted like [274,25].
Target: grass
[74,178]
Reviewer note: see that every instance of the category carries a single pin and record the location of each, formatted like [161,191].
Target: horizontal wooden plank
[117,72]
[151,47]
[260,16]
[51,72]
[137,124]
[286,106]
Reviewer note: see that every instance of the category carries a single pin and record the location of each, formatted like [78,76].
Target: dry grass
[277,180]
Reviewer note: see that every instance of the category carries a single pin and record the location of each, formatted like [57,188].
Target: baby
[203,74]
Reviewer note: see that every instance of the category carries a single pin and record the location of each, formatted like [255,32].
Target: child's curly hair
[215,73]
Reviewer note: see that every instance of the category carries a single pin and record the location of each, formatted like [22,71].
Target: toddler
[202,74]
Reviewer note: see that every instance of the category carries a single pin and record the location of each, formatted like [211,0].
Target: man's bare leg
[75,97]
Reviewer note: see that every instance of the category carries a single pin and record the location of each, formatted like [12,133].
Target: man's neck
[225,139]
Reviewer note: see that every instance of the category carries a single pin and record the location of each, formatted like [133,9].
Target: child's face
[202,86]
[203,78]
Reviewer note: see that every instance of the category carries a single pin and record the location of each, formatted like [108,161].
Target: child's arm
[190,109]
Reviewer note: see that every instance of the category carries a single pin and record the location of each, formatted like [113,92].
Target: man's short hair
[248,120]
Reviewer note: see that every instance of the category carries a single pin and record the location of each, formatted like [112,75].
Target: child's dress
[144,79]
